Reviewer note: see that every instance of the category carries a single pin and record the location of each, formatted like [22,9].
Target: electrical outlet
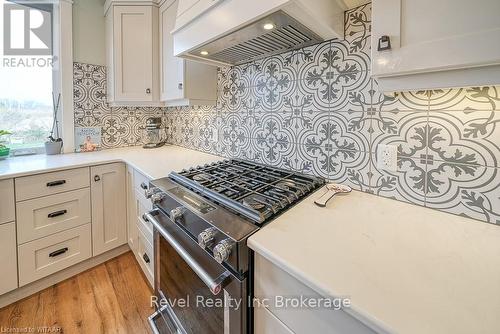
[387,157]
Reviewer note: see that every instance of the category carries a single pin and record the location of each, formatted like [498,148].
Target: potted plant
[54,144]
[4,150]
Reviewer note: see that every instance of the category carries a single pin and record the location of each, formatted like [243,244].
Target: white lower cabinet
[140,233]
[272,283]
[8,259]
[7,207]
[109,207]
[45,256]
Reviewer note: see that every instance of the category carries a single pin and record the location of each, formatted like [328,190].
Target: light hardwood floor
[113,297]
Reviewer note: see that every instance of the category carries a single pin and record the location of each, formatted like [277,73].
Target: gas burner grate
[252,190]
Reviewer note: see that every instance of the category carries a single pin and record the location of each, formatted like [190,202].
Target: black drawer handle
[57,213]
[58,252]
[144,185]
[56,183]
[145,257]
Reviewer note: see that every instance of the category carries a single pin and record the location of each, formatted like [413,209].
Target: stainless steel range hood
[254,42]
[233,32]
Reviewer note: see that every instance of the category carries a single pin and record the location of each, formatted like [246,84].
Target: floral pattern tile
[407,184]
[408,130]
[466,190]
[358,28]
[465,137]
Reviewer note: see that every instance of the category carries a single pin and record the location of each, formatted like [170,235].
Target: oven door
[197,294]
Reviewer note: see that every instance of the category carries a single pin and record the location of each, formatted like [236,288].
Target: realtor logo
[27,30]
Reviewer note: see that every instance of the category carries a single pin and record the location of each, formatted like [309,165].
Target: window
[26,78]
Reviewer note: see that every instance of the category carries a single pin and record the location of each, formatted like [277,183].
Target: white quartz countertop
[408,268]
[154,163]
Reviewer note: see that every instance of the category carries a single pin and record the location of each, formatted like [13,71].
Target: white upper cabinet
[436,44]
[182,82]
[132,54]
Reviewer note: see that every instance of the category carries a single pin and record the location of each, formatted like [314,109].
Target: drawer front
[142,203]
[271,282]
[140,181]
[145,256]
[146,229]
[34,186]
[7,210]
[47,215]
[45,256]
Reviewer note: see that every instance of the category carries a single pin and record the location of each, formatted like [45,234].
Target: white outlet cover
[387,157]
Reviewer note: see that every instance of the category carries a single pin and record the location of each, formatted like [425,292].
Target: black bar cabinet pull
[58,252]
[56,183]
[144,186]
[146,258]
[57,213]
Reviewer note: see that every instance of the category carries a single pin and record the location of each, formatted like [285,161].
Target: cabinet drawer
[145,256]
[146,229]
[271,282]
[47,215]
[8,258]
[34,186]
[7,211]
[45,256]
[139,181]
[143,204]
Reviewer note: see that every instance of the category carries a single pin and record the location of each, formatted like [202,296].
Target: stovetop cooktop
[254,191]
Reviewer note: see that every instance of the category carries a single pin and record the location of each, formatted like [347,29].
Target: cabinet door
[8,257]
[429,35]
[133,53]
[109,209]
[172,76]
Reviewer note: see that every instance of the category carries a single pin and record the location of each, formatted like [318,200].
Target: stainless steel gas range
[202,218]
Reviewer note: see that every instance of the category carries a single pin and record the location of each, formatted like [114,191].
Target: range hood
[233,32]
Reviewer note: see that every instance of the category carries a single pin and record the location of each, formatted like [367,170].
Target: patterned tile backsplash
[317,110]
[123,126]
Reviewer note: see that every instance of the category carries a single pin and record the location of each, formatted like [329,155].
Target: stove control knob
[176,213]
[156,198]
[222,250]
[148,193]
[206,237]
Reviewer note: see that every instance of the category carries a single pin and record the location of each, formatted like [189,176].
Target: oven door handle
[215,285]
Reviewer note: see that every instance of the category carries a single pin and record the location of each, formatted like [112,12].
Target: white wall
[88,32]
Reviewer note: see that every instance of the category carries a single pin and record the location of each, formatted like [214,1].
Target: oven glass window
[197,309]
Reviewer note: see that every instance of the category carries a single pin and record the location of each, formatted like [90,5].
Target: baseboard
[28,290]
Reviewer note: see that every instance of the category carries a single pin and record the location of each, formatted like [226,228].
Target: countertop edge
[66,167]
